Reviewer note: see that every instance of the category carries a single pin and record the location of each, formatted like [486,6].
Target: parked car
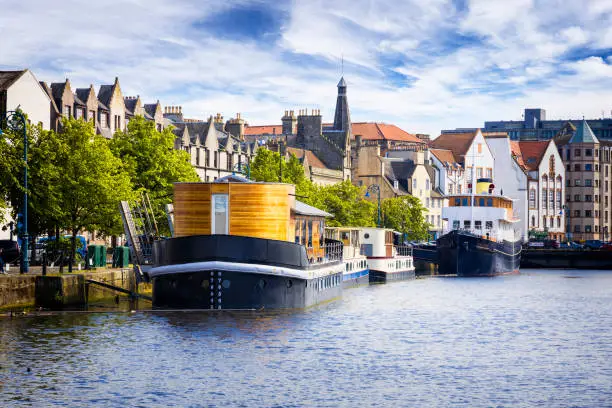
[551,243]
[572,245]
[607,246]
[10,250]
[593,244]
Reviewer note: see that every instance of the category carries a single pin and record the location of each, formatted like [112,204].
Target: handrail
[403,250]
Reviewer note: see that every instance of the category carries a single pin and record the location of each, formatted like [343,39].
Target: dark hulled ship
[481,238]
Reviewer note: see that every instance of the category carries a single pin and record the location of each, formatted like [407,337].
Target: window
[532,198]
[559,199]
[533,220]
[103,119]
[544,196]
[597,167]
[438,220]
[414,183]
[576,228]
[587,228]
[66,111]
[577,213]
[568,167]
[215,160]
[457,202]
[478,225]
[588,213]
[489,202]
[576,197]
[606,170]
[297,231]
[558,222]
[489,225]
[588,183]
[596,198]
[450,189]
[427,203]
[478,172]
[92,116]
[459,189]
[427,184]
[78,113]
[464,202]
[577,153]
[207,164]
[577,182]
[489,173]
[551,198]
[309,234]
[596,183]
[481,202]
[544,221]
[197,156]
[588,167]
[588,152]
[588,198]
[220,223]
[576,167]
[467,224]
[456,224]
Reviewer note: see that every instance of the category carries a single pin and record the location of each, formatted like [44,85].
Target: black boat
[244,245]
[481,240]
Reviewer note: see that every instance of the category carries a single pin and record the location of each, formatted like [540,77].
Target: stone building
[214,152]
[112,113]
[587,169]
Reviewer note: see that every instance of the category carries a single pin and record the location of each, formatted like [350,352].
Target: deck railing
[403,250]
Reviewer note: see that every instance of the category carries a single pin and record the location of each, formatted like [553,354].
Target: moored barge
[239,244]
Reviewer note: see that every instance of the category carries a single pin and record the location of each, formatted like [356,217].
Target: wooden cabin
[236,206]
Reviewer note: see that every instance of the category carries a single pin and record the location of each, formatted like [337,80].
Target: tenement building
[588,197]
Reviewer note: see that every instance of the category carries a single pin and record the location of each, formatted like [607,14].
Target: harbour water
[542,338]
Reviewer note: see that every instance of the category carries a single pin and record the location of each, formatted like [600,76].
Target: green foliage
[152,163]
[266,166]
[405,214]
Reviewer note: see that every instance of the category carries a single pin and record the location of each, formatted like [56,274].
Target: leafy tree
[152,162]
[92,181]
[405,214]
[266,166]
[346,202]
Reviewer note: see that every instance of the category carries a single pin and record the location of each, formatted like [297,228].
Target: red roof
[532,152]
[383,131]
[445,156]
[263,130]
[516,151]
[458,143]
[310,156]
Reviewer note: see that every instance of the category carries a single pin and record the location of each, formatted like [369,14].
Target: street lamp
[247,169]
[375,188]
[16,122]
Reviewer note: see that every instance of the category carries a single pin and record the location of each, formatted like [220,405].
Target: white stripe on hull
[246,268]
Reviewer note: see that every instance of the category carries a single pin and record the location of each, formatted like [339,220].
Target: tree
[92,181]
[266,166]
[405,214]
[152,162]
[346,202]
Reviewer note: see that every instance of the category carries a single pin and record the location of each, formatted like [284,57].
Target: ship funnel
[484,186]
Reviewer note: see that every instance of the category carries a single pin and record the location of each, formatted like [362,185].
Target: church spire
[342,117]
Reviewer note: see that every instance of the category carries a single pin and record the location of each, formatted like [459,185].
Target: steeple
[583,134]
[342,117]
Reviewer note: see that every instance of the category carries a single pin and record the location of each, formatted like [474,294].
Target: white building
[546,188]
[22,89]
[511,179]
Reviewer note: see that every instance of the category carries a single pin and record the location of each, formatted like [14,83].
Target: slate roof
[313,160]
[105,94]
[263,130]
[532,152]
[57,90]
[583,134]
[458,143]
[305,209]
[82,94]
[150,109]
[400,171]
[78,100]
[130,104]
[8,78]
[383,131]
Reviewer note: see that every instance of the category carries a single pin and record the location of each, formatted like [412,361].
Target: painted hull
[353,279]
[389,269]
[384,277]
[228,272]
[465,254]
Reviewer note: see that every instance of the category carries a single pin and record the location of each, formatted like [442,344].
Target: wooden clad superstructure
[259,210]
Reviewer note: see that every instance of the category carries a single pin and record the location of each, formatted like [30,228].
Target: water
[543,338]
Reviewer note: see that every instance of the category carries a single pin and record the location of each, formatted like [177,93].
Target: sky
[424,65]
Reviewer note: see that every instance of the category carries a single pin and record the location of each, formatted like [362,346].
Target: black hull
[215,289]
[465,254]
[384,277]
[355,279]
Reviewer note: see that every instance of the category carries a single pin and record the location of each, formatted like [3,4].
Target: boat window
[489,225]
[478,225]
[467,224]
[489,202]
[309,234]
[457,202]
[220,222]
[464,202]
[481,202]
[455,224]
[297,231]
[303,235]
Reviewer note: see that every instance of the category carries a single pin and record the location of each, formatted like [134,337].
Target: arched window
[544,221]
[551,166]
[558,222]
[552,222]
[533,220]
[532,198]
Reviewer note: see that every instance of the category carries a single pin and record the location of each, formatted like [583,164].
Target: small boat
[481,238]
[239,244]
[387,261]
[355,264]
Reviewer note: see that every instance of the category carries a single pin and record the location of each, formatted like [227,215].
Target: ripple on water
[538,339]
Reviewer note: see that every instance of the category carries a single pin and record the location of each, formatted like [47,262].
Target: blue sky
[423,65]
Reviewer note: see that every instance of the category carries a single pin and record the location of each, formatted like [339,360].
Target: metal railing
[403,250]
[333,252]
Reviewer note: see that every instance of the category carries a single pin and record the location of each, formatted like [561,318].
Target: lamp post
[375,188]
[568,232]
[247,169]
[16,122]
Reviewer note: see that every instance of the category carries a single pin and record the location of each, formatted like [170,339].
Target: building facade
[21,89]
